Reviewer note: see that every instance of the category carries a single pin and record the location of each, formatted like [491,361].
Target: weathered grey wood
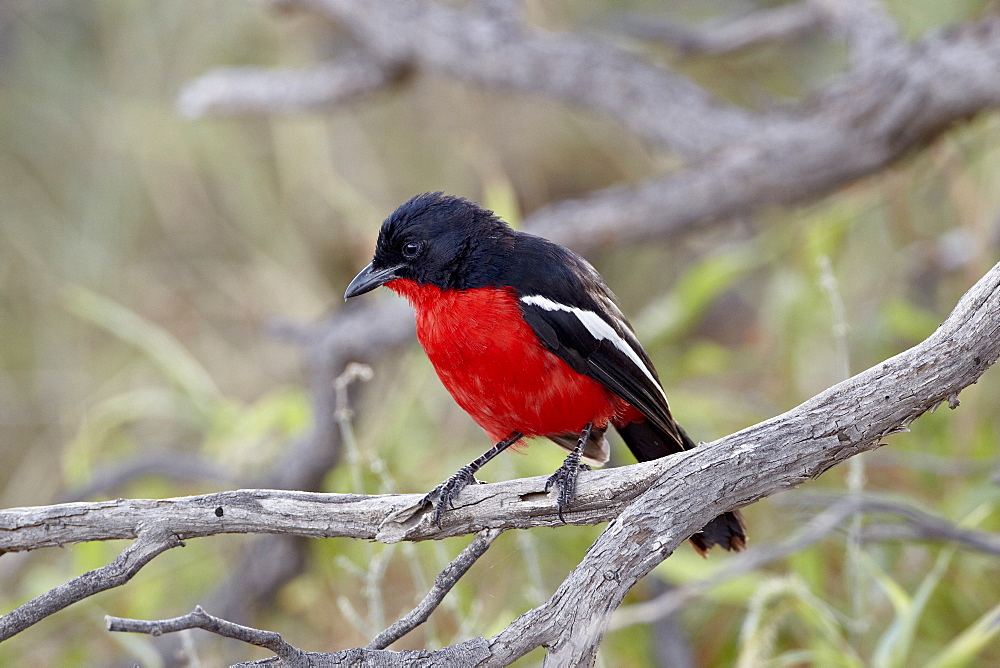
[846,419]
[152,540]
[654,506]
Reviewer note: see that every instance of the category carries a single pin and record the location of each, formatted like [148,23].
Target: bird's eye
[411,249]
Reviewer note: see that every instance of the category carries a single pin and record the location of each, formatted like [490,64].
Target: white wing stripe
[598,328]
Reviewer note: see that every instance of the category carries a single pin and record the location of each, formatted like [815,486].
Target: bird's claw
[443,496]
[564,480]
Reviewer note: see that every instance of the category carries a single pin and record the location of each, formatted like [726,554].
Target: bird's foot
[443,496]
[564,480]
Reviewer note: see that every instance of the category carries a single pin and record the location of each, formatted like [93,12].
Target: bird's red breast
[493,364]
[550,355]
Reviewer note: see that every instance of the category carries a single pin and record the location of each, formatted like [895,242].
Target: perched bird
[528,339]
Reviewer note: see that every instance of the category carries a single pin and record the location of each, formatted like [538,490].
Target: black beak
[369,279]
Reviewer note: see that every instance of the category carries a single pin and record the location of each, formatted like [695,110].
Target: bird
[530,342]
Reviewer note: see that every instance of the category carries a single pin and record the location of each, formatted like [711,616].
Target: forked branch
[654,505]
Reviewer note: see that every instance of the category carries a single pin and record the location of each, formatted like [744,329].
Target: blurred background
[147,261]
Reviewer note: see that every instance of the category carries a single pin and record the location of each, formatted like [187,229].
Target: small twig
[754,558]
[344,414]
[932,529]
[262,91]
[918,524]
[152,540]
[354,372]
[469,653]
[164,463]
[872,35]
[443,583]
[199,619]
[924,462]
[856,466]
[731,34]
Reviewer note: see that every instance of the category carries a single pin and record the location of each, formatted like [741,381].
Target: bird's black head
[439,240]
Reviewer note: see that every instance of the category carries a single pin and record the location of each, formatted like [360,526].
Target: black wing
[567,304]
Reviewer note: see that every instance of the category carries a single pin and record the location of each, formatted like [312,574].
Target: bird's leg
[564,479]
[443,496]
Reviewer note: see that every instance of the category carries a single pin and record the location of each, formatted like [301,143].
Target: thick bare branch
[897,97]
[853,129]
[388,518]
[152,539]
[473,46]
[694,486]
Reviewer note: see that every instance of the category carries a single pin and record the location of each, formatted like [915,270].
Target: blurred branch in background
[730,34]
[246,89]
[916,525]
[108,479]
[895,97]
[913,525]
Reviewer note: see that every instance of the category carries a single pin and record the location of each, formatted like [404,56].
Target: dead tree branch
[472,45]
[851,417]
[199,619]
[151,540]
[819,438]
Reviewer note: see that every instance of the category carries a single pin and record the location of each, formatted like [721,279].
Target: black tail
[647,442]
